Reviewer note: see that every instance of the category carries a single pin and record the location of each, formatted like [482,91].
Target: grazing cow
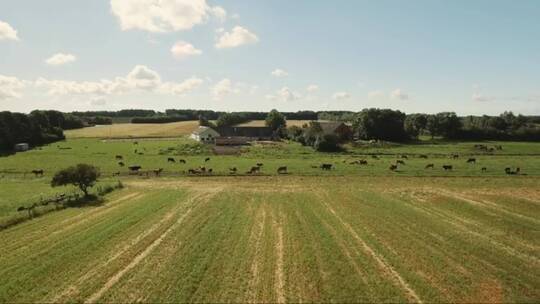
[363,162]
[423,156]
[116,173]
[232,170]
[38,172]
[119,157]
[326,166]
[135,151]
[354,162]
[393,167]
[121,164]
[455,156]
[430,166]
[255,169]
[182,161]
[157,172]
[498,147]
[447,167]
[260,164]
[471,160]
[207,159]
[135,142]
[282,170]
[484,169]
[374,157]
[171,160]
[140,153]
[202,169]
[507,170]
[404,156]
[210,171]
[400,162]
[135,168]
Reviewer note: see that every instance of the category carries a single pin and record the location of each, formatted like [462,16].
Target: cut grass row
[294,239]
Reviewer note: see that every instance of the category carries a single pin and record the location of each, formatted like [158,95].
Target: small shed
[205,135]
[22,147]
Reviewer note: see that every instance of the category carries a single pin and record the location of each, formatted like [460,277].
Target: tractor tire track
[279,272]
[381,262]
[256,238]
[142,255]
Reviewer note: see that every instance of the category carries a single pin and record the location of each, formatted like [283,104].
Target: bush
[327,143]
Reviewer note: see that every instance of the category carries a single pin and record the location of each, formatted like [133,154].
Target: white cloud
[61,59]
[7,32]
[341,96]
[284,94]
[161,15]
[237,37]
[141,78]
[220,13]
[223,88]
[312,88]
[376,94]
[480,97]
[98,101]
[10,87]
[279,73]
[235,16]
[399,94]
[182,50]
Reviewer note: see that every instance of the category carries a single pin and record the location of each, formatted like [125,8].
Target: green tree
[414,124]
[383,124]
[276,121]
[82,175]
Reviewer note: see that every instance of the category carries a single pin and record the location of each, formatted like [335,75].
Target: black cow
[326,166]
[430,166]
[171,160]
[207,159]
[484,169]
[447,167]
[38,172]
[423,156]
[121,164]
[232,170]
[260,164]
[363,162]
[471,160]
[182,161]
[135,168]
[393,167]
[282,170]
[119,157]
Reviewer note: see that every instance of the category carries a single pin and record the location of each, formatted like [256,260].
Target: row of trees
[36,128]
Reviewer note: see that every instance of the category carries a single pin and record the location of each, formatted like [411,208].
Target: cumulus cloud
[182,50]
[399,94]
[7,32]
[279,73]
[237,37]
[223,88]
[376,94]
[341,96]
[10,87]
[284,94]
[219,12]
[312,88]
[61,59]
[141,78]
[162,15]
[480,97]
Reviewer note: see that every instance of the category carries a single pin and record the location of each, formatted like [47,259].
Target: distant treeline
[36,128]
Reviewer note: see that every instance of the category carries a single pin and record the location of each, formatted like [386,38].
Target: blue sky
[471,57]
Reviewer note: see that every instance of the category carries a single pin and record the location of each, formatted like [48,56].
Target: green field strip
[76,253]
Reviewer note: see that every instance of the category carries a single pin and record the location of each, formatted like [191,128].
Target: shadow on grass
[37,210]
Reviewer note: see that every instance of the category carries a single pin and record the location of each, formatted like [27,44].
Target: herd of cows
[257,168]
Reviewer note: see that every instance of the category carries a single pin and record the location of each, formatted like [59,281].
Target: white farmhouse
[205,135]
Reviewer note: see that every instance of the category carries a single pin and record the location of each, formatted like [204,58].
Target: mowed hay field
[128,130]
[285,239]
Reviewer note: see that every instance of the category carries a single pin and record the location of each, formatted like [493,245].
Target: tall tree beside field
[381,124]
[82,176]
[276,121]
[414,124]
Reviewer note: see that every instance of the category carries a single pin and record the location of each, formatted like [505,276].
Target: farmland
[277,239]
[350,234]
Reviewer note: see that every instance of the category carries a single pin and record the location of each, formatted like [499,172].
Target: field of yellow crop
[284,239]
[176,129]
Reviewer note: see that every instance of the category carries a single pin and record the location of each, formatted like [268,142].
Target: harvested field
[284,239]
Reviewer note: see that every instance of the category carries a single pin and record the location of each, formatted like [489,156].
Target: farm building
[237,135]
[22,147]
[343,131]
[205,135]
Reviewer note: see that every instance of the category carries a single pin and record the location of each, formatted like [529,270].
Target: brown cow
[282,170]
